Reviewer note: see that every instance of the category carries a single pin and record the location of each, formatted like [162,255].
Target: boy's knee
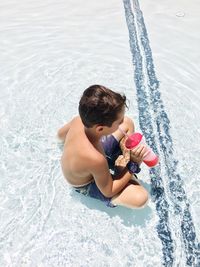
[128,123]
[142,199]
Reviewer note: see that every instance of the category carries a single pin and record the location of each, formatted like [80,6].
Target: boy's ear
[99,128]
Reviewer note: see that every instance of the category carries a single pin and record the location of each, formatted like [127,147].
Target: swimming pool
[50,52]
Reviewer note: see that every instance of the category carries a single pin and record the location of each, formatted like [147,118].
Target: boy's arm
[62,132]
[103,178]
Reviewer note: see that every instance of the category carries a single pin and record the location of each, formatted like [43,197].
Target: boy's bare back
[78,154]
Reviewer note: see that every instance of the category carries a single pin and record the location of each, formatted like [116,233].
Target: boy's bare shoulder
[85,163]
[90,156]
[95,160]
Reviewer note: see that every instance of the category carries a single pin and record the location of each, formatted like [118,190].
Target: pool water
[50,52]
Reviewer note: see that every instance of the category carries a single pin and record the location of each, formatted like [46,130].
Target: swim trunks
[93,191]
[112,150]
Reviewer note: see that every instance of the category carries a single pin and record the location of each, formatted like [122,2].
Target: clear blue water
[50,52]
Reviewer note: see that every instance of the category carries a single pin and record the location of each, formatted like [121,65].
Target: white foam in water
[50,51]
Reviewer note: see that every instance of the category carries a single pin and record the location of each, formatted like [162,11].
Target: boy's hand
[125,151]
[138,153]
[120,163]
[126,155]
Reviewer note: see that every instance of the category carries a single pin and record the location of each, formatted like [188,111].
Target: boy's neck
[92,135]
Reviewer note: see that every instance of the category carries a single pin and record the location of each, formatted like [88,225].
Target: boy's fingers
[138,150]
[120,161]
[138,154]
[126,154]
[143,152]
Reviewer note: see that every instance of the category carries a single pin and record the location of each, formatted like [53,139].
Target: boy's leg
[127,126]
[132,196]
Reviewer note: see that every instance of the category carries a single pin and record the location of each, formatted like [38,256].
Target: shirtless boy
[94,144]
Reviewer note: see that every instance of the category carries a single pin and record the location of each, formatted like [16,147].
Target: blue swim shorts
[112,150]
[93,191]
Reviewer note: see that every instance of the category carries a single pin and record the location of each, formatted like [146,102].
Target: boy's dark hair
[100,105]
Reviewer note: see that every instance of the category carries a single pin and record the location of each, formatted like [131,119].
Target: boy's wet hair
[100,105]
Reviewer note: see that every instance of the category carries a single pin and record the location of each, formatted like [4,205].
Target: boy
[94,144]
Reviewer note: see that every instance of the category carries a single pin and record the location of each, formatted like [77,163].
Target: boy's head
[100,106]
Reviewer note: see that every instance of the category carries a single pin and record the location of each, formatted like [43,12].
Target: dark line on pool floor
[147,128]
[153,118]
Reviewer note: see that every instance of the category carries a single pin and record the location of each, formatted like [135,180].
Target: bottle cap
[133,140]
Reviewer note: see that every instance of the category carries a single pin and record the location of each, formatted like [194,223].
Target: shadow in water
[129,217]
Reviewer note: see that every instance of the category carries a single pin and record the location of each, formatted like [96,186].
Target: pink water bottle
[133,140]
